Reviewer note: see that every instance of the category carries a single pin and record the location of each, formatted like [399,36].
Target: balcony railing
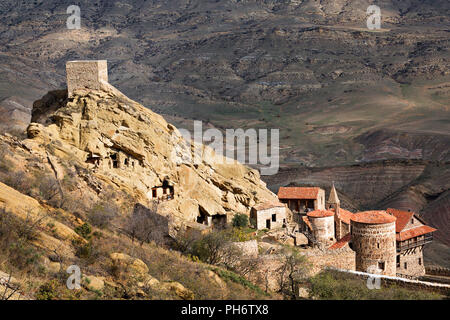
[405,245]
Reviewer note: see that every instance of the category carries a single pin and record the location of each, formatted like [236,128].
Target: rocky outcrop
[136,150]
[133,273]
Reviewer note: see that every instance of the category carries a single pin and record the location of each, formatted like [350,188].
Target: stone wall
[414,266]
[259,217]
[248,248]
[401,282]
[438,271]
[343,258]
[375,246]
[86,74]
[319,204]
[323,229]
[341,228]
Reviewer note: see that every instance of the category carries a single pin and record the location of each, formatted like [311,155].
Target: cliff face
[134,149]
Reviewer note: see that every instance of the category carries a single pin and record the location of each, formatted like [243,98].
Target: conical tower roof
[333,199]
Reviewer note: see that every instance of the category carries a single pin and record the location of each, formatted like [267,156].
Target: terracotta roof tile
[415,232]
[402,218]
[298,192]
[268,205]
[344,215]
[373,217]
[320,213]
[341,242]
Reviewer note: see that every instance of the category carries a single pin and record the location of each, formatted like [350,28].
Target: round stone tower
[322,225]
[373,240]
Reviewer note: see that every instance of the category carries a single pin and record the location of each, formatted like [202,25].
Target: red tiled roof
[268,205]
[341,242]
[415,232]
[402,218]
[373,217]
[320,213]
[344,215]
[298,192]
[306,221]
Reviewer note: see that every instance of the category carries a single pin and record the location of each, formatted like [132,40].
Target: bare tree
[293,269]
[102,213]
[145,224]
[8,286]
[49,188]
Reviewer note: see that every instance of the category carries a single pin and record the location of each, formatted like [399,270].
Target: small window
[405,266]
[274,218]
[115,160]
[381,265]
[378,245]
[412,221]
[420,261]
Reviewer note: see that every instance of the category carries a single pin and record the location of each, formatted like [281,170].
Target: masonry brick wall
[438,271]
[323,229]
[86,74]
[413,258]
[259,217]
[375,246]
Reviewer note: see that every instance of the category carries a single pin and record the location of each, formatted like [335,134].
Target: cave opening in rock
[203,216]
[115,160]
[219,221]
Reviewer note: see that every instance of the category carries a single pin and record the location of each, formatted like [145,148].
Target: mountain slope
[310,68]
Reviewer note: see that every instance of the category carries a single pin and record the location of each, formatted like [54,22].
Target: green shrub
[240,220]
[228,275]
[48,291]
[84,230]
[329,285]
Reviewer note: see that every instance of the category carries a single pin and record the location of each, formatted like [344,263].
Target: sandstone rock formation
[132,148]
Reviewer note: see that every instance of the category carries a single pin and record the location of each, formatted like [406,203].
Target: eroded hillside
[136,150]
[310,68]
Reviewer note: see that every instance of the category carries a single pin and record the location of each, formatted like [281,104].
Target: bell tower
[335,203]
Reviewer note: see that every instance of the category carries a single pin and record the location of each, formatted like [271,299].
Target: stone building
[320,227]
[390,242]
[163,192]
[302,199]
[269,215]
[411,234]
[90,74]
[373,240]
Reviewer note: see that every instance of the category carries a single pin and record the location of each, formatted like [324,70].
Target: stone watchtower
[322,225]
[90,74]
[373,240]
